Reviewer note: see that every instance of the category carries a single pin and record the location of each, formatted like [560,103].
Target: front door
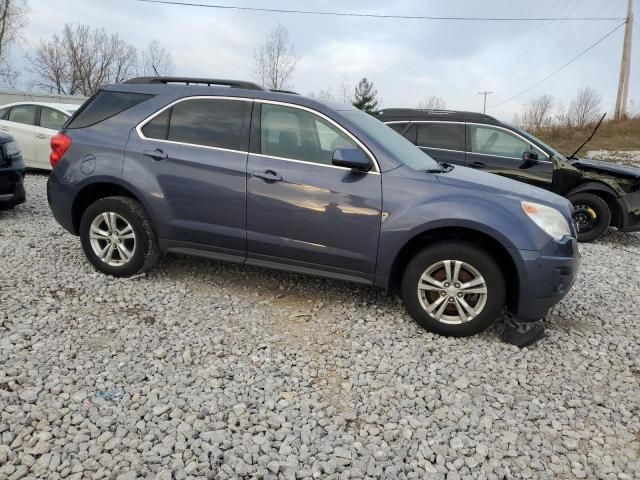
[301,210]
[20,124]
[190,162]
[498,150]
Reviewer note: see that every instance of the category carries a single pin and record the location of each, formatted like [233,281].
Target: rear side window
[3,112]
[50,118]
[448,136]
[23,114]
[103,105]
[206,122]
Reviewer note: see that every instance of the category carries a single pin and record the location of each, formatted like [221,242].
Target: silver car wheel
[112,239]
[452,292]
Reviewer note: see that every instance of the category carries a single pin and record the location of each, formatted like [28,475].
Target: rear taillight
[60,143]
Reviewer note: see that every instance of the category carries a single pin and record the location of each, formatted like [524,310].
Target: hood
[607,167]
[470,178]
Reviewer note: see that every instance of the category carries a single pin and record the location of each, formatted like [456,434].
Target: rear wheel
[118,238]
[592,215]
[453,289]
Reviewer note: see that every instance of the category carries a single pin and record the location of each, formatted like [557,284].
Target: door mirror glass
[353,158]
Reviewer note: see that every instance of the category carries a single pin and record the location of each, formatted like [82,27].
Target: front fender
[595,186]
[413,208]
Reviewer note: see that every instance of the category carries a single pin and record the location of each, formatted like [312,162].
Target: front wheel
[591,214]
[453,289]
[118,238]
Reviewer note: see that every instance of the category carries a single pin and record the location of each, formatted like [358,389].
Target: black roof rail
[284,91]
[196,81]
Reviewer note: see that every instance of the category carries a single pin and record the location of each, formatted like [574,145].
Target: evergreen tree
[365,96]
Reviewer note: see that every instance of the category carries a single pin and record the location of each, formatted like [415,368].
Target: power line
[373,15]
[558,69]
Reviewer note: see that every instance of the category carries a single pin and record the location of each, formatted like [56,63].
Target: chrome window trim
[481,125]
[443,149]
[262,155]
[148,119]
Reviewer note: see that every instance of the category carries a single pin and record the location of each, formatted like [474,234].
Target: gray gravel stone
[230,371]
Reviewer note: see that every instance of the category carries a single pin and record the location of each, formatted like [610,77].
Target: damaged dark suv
[603,194]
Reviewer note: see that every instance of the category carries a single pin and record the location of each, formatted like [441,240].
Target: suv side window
[206,122]
[293,133]
[23,114]
[408,133]
[448,136]
[493,141]
[50,118]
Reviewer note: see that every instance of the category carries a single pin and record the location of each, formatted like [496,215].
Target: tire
[489,304]
[132,253]
[592,214]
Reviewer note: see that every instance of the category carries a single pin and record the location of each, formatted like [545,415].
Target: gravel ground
[223,371]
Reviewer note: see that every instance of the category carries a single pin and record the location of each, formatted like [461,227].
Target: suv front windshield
[401,148]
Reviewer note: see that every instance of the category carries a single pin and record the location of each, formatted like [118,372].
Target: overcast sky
[406,59]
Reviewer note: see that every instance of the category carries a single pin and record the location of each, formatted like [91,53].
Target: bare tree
[13,18]
[537,112]
[432,102]
[276,60]
[80,60]
[584,108]
[50,66]
[156,60]
[324,94]
[345,90]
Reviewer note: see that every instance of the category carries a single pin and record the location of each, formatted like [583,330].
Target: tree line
[79,59]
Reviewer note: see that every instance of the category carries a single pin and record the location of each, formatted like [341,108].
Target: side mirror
[530,158]
[353,158]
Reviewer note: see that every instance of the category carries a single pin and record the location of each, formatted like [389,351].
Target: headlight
[548,219]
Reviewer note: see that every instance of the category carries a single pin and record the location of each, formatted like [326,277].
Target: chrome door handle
[268,176]
[156,154]
[6,129]
[41,135]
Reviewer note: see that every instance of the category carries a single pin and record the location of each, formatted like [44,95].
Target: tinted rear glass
[23,114]
[449,136]
[158,128]
[212,123]
[104,105]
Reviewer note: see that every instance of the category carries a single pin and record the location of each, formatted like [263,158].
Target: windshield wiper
[444,168]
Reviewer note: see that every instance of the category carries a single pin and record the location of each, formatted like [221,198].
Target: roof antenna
[155,70]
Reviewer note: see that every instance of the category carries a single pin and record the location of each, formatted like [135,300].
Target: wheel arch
[95,191]
[472,236]
[607,193]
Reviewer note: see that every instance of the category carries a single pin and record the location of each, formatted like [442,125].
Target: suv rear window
[103,105]
[449,136]
[208,122]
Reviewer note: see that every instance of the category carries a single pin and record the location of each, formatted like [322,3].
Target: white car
[32,124]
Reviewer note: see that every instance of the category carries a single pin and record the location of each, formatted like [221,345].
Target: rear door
[190,161]
[48,124]
[20,123]
[443,141]
[302,211]
[498,150]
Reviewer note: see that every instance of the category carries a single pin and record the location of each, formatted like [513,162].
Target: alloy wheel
[452,291]
[112,239]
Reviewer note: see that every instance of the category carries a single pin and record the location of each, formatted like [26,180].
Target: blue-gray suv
[228,170]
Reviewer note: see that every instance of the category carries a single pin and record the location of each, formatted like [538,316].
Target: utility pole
[485,93]
[625,67]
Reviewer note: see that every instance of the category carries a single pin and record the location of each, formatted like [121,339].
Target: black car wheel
[453,289]
[118,238]
[591,214]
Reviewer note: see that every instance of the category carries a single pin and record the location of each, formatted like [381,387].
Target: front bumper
[12,191]
[545,277]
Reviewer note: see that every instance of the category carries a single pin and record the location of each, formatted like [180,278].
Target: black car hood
[613,169]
